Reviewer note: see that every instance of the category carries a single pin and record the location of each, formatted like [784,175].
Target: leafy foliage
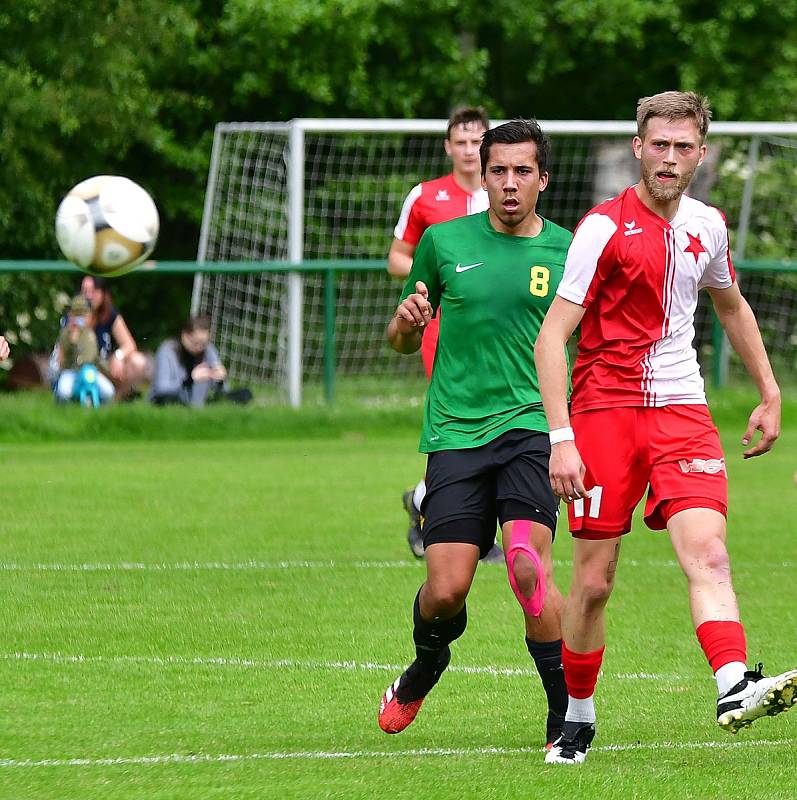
[136,88]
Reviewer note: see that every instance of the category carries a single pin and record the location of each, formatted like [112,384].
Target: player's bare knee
[444,599]
[711,561]
[593,591]
[525,572]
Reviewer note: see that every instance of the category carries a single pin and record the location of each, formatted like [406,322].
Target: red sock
[581,671]
[722,642]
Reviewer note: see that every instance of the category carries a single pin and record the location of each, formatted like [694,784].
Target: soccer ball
[106,225]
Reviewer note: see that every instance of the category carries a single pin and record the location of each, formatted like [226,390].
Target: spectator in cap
[77,348]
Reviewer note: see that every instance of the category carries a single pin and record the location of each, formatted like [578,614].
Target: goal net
[331,191]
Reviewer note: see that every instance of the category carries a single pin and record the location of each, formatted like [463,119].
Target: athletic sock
[432,653]
[581,675]
[432,638]
[729,675]
[548,660]
[580,709]
[725,646]
[419,494]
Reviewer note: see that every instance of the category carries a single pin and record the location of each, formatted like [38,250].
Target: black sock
[432,638]
[432,653]
[548,660]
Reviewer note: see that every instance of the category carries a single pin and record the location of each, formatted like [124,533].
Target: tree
[136,88]
[78,101]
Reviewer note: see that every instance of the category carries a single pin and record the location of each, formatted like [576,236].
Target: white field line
[290,663]
[187,566]
[320,755]
[240,566]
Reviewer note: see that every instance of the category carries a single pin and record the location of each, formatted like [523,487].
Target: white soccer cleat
[572,746]
[756,696]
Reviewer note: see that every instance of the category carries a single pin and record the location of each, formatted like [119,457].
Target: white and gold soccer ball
[106,225]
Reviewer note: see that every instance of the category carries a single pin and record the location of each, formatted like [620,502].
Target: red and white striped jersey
[638,276]
[430,202]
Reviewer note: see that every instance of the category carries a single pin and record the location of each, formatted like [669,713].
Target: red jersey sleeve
[411,224]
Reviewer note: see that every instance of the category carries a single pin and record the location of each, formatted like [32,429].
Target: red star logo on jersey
[695,246]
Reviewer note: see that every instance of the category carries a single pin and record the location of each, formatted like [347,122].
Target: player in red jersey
[639,416]
[440,200]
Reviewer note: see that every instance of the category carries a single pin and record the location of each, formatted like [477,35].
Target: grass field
[209,605]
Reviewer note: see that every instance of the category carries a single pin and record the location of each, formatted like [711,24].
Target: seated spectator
[119,355]
[188,369]
[78,355]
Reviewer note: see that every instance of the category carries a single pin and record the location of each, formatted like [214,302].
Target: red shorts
[429,344]
[674,452]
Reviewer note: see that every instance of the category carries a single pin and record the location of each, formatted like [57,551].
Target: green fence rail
[330,269]
[325,265]
[216,267]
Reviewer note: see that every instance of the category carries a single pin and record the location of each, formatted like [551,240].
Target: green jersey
[492,290]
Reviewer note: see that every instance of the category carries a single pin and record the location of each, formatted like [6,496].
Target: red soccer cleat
[413,685]
[393,715]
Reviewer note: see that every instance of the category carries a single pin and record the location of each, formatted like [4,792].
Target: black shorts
[468,490]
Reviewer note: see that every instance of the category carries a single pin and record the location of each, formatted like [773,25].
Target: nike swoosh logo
[465,268]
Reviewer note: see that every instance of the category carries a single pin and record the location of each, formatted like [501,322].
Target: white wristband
[562,435]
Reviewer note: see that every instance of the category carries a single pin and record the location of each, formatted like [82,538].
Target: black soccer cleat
[572,746]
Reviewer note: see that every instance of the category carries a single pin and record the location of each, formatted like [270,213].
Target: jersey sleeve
[212,356]
[411,224]
[719,272]
[425,268]
[591,243]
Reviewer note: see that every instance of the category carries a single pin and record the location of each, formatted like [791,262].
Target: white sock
[729,675]
[580,710]
[419,494]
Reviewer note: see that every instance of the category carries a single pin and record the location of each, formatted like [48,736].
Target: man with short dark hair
[493,275]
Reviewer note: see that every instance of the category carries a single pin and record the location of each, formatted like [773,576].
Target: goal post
[314,190]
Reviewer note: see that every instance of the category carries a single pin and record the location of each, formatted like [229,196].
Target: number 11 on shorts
[594,494]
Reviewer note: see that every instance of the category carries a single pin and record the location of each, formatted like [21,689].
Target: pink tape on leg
[519,543]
